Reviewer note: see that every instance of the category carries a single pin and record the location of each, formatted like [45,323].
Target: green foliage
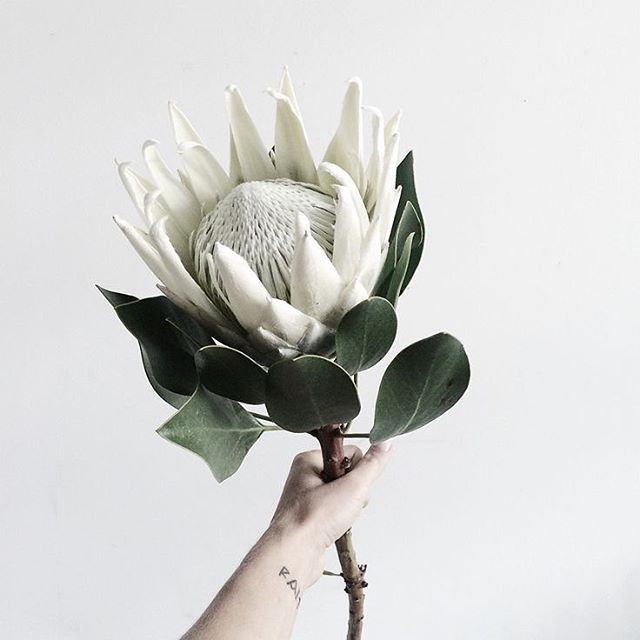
[232,374]
[399,274]
[217,429]
[168,338]
[308,392]
[408,220]
[192,374]
[420,384]
[365,334]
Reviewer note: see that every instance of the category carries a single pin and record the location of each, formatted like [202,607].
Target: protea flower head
[271,255]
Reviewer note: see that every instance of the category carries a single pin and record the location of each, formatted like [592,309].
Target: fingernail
[385,445]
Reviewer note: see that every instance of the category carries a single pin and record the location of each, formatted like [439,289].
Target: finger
[367,469]
[313,461]
[354,454]
[306,460]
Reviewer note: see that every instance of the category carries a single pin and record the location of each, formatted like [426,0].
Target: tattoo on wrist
[292,583]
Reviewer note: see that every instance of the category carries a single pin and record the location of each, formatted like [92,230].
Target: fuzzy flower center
[257,220]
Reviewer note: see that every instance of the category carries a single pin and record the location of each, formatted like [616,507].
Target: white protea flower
[270,256]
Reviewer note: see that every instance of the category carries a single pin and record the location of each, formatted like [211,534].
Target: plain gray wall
[516,514]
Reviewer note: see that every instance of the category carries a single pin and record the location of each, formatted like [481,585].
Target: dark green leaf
[421,383]
[231,374]
[409,222]
[365,334]
[174,399]
[400,272]
[408,219]
[308,392]
[168,338]
[114,298]
[405,178]
[219,430]
[172,364]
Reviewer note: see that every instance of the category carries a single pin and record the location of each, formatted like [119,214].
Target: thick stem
[336,464]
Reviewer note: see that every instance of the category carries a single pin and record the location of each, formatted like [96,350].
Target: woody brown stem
[336,464]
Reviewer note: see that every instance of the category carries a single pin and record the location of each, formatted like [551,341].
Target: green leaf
[168,338]
[400,272]
[232,374]
[365,334]
[408,219]
[114,298]
[409,222]
[308,392]
[171,363]
[421,383]
[405,178]
[217,429]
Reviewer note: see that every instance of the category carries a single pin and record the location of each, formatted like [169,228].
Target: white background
[515,516]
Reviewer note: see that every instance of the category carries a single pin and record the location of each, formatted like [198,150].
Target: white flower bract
[271,255]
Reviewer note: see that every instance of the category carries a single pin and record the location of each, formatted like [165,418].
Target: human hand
[323,511]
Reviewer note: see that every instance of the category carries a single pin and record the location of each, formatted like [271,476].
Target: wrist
[299,547]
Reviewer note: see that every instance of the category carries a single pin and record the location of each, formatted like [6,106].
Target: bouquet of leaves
[280,280]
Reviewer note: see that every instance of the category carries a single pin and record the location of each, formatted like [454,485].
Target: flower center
[257,220]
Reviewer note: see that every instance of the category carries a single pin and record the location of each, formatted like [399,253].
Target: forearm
[261,599]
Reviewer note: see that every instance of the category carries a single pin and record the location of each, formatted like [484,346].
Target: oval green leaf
[365,334]
[217,429]
[308,392]
[421,383]
[232,374]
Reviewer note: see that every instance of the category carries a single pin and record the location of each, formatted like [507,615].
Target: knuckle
[301,458]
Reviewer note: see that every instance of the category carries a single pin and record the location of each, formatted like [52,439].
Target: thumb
[370,466]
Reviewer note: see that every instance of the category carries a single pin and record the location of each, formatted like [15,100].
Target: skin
[261,599]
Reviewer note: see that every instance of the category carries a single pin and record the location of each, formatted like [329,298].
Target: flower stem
[336,464]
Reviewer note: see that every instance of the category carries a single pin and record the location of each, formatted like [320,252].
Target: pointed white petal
[248,299]
[374,170]
[183,130]
[184,284]
[352,294]
[292,325]
[315,283]
[183,205]
[293,156]
[156,211]
[370,257]
[391,128]
[227,334]
[209,181]
[348,235]
[137,187]
[286,87]
[384,208]
[387,214]
[345,149]
[331,175]
[210,275]
[147,250]
[184,178]
[235,172]
[253,157]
